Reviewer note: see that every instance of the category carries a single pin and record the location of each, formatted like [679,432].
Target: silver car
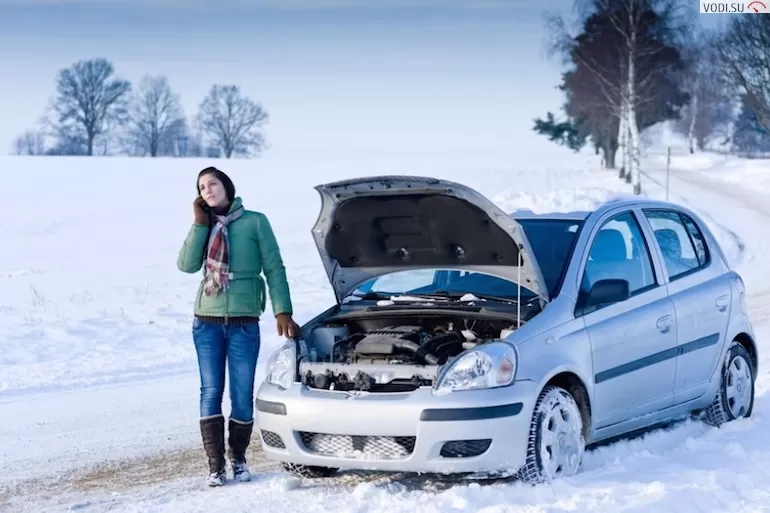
[468,340]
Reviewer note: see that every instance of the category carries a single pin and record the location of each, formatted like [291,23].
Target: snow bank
[752,174]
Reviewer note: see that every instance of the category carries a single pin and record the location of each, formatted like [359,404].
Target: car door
[701,294]
[633,342]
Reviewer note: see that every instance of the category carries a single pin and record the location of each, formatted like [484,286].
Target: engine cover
[384,341]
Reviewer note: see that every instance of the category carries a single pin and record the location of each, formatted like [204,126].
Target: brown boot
[213,435]
[238,440]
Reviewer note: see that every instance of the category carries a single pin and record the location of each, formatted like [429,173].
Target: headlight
[488,366]
[282,366]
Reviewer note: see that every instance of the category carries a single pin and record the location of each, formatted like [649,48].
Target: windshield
[552,241]
[431,281]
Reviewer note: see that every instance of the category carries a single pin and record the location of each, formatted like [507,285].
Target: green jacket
[253,250]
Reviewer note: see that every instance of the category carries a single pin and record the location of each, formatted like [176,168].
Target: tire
[735,395]
[307,471]
[544,438]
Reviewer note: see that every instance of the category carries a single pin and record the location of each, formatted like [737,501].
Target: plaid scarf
[218,254]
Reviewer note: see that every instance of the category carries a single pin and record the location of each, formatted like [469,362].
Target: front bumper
[468,431]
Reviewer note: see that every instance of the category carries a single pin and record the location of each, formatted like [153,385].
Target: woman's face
[212,190]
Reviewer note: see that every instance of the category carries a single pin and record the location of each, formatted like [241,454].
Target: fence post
[668,169]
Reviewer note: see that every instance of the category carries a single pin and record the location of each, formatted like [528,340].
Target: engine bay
[393,354]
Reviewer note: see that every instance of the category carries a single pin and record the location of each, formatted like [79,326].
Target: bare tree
[744,51]
[710,109]
[89,100]
[177,144]
[232,121]
[155,115]
[30,143]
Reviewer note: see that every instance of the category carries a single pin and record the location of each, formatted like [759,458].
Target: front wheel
[556,443]
[308,471]
[735,395]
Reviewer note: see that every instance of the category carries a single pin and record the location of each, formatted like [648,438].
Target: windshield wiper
[459,295]
[448,295]
[369,295]
[400,297]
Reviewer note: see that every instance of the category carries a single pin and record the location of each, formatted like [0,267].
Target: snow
[117,309]
[425,300]
[752,174]
[98,371]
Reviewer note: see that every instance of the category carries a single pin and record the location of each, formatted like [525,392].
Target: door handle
[722,302]
[665,323]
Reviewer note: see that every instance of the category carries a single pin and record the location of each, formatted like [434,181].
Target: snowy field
[98,379]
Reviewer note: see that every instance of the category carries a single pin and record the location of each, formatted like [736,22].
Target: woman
[233,246]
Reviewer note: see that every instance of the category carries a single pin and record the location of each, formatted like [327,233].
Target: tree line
[631,64]
[95,112]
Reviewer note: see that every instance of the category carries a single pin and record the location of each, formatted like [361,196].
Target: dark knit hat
[222,177]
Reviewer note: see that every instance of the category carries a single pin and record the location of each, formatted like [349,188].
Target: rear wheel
[556,444]
[311,472]
[735,395]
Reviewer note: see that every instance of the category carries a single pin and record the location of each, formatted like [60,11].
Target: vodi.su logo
[752,7]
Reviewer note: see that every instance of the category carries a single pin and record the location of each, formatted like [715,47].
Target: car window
[552,242]
[681,242]
[696,236]
[619,251]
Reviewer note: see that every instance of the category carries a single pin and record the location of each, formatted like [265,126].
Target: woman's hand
[286,326]
[199,211]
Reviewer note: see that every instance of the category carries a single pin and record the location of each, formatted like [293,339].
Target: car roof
[566,216]
[580,215]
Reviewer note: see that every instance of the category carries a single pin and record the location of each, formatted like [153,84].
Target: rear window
[552,240]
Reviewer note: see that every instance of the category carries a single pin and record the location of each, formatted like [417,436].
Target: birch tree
[627,63]
[645,61]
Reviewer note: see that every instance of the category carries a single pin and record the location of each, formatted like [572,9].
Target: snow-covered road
[61,430]
[688,468]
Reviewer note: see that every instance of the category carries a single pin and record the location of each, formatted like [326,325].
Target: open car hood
[372,226]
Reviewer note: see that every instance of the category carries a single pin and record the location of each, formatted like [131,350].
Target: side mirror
[607,291]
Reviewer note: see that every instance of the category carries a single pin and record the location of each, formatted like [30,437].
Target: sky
[334,75]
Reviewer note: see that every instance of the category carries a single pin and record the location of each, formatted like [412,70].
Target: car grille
[272,439]
[465,448]
[358,447]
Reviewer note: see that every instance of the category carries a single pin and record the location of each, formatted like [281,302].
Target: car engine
[386,358]
[399,344]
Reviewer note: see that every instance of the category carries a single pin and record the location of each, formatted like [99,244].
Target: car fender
[564,349]
[739,329]
[564,375]
[570,369]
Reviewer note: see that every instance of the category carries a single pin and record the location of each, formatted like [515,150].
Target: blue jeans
[235,347]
